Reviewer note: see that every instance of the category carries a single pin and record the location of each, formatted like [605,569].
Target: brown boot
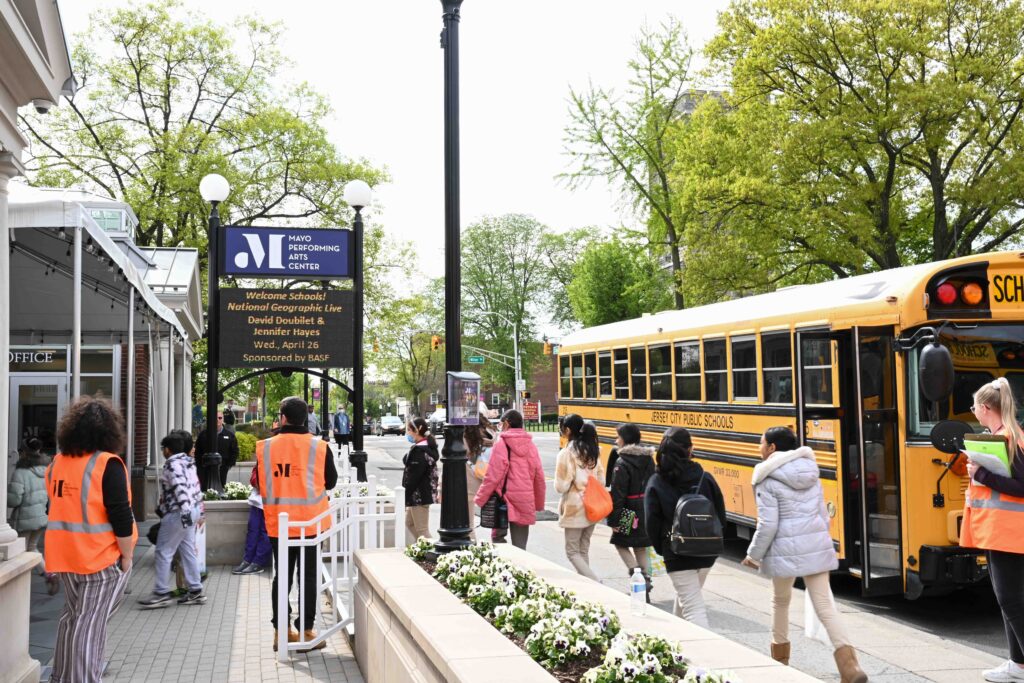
[310,634]
[293,637]
[780,652]
[849,669]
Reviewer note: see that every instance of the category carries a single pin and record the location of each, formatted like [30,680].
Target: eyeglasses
[975,409]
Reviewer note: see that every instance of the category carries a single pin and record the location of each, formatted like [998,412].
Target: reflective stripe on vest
[310,497]
[83,527]
[995,502]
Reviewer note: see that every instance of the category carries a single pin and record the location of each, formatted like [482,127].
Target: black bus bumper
[943,568]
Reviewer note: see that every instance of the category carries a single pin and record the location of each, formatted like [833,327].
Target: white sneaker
[1007,672]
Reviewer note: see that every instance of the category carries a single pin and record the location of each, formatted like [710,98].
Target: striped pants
[90,600]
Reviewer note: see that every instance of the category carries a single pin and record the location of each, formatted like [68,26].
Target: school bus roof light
[972,293]
[946,293]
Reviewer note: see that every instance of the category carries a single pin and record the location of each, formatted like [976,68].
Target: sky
[380,64]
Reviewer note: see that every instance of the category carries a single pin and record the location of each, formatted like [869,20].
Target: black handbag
[494,513]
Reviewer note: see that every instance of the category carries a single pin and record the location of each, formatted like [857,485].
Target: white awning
[36,218]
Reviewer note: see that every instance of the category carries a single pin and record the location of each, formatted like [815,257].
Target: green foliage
[504,270]
[405,328]
[246,445]
[856,136]
[616,279]
[166,96]
[624,139]
[561,252]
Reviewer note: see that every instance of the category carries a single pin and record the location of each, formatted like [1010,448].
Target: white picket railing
[358,520]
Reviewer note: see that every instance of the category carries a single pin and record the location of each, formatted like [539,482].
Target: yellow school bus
[839,363]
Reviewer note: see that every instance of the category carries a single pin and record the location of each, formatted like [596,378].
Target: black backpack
[696,531]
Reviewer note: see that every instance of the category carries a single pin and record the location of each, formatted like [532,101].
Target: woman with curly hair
[91,534]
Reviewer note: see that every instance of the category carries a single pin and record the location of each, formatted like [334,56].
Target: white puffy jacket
[792,537]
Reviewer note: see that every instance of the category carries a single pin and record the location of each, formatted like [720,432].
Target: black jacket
[420,476]
[227,446]
[633,468]
[660,505]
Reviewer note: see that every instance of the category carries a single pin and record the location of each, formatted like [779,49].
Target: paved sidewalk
[227,639]
[739,607]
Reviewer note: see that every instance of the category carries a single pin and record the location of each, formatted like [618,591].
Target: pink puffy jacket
[525,491]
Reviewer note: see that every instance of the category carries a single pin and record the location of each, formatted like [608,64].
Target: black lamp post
[357,195]
[455,529]
[214,188]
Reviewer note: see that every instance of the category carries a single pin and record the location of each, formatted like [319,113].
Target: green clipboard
[990,451]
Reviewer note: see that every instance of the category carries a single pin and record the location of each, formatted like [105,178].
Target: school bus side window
[638,370]
[590,374]
[744,369]
[817,370]
[565,385]
[604,374]
[777,364]
[577,376]
[715,384]
[687,371]
[621,374]
[660,367]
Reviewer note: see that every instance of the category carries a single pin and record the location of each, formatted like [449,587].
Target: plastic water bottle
[637,593]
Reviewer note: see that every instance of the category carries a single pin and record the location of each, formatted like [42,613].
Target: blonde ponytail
[998,396]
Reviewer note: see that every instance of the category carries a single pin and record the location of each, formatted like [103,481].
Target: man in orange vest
[90,535]
[294,470]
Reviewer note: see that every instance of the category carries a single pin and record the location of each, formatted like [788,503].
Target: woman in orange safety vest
[90,534]
[994,520]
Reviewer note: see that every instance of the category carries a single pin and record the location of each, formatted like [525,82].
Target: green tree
[615,280]
[503,270]
[859,136]
[625,139]
[562,251]
[406,353]
[166,97]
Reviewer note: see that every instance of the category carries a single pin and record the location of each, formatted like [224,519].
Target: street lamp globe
[357,194]
[214,187]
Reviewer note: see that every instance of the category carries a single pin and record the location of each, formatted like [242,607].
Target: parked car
[436,421]
[390,424]
[370,427]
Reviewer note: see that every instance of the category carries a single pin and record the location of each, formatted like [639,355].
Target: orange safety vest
[79,538]
[992,520]
[291,479]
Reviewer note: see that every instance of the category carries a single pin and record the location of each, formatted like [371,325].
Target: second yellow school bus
[838,362]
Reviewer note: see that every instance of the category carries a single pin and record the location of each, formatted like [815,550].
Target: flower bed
[574,640]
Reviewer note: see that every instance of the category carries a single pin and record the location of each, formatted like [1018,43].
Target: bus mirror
[948,436]
[937,374]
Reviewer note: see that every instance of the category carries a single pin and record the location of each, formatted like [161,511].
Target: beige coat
[571,481]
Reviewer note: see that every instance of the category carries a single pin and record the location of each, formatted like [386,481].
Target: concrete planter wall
[241,471]
[226,524]
[409,627]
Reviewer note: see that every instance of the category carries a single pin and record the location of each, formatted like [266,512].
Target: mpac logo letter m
[256,247]
[282,469]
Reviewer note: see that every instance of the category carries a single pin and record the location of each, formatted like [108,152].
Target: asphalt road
[970,616]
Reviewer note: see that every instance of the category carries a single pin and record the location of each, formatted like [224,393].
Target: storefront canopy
[42,224]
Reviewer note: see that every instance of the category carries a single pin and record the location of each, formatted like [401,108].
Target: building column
[15,564]
[10,167]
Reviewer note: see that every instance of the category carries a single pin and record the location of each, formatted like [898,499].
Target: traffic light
[435,342]
[376,346]
[547,348]
[526,395]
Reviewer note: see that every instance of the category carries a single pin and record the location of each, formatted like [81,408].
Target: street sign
[520,385]
[476,360]
[531,411]
[268,328]
[293,253]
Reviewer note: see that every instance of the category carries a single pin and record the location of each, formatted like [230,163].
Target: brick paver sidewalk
[227,639]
